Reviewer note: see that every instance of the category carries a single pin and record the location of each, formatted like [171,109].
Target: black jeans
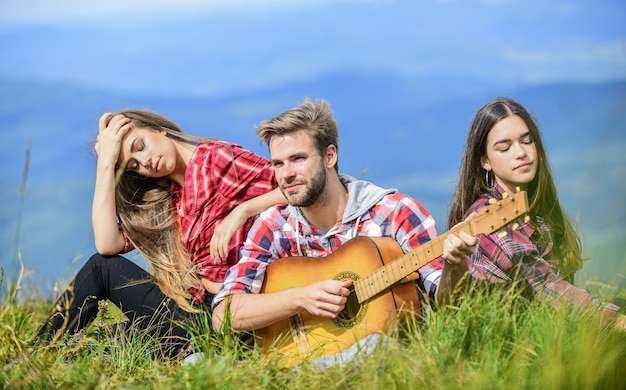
[116,278]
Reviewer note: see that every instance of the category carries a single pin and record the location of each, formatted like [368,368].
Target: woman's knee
[99,269]
[95,260]
[105,263]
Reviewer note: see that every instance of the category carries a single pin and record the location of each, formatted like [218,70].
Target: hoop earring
[489,179]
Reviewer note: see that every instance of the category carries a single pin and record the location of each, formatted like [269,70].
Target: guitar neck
[492,218]
[387,275]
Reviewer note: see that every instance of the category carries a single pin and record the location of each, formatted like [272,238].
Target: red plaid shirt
[518,256]
[275,235]
[219,177]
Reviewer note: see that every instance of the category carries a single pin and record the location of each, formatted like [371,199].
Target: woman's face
[511,154]
[148,152]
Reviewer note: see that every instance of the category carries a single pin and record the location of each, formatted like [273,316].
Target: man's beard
[314,189]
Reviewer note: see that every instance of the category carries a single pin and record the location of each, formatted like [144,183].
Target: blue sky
[213,48]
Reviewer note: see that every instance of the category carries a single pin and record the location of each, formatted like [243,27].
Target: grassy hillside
[492,340]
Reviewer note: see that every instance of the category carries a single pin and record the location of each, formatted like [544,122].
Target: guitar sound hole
[352,307]
[352,314]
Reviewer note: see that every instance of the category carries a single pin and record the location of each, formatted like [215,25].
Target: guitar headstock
[500,213]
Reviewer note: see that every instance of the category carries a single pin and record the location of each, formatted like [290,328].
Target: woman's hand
[456,249]
[237,217]
[109,142]
[224,232]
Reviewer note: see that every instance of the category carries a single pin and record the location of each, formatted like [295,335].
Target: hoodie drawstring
[298,237]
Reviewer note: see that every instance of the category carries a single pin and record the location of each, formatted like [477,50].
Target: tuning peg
[505,195]
[526,219]
[502,233]
[515,225]
[517,189]
[493,200]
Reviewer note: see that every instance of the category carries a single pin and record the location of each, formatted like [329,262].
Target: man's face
[299,168]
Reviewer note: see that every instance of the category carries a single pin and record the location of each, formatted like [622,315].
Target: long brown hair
[542,192]
[148,215]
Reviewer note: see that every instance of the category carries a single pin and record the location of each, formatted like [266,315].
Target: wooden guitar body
[306,335]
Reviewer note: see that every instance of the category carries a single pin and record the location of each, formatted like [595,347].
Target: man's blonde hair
[315,117]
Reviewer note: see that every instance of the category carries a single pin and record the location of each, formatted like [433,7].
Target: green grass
[489,341]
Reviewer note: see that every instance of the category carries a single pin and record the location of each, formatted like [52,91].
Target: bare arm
[256,311]
[209,285]
[107,236]
[238,216]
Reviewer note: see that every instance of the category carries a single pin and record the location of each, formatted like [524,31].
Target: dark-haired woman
[505,152]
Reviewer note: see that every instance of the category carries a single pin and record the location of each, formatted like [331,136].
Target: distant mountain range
[404,133]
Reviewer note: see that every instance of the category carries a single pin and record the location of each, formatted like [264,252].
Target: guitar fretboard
[490,219]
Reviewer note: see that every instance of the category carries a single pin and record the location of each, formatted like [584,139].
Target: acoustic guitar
[379,270]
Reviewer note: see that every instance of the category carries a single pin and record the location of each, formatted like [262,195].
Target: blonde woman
[184,202]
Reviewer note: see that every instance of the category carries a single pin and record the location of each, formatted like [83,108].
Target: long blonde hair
[148,215]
